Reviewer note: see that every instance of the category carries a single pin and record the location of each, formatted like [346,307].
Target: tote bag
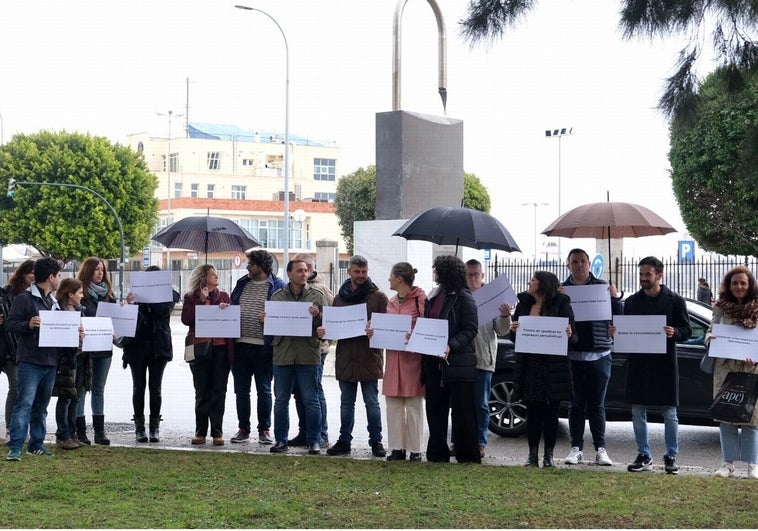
[735,401]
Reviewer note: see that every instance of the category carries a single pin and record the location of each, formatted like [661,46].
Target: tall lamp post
[286,240]
[559,133]
[535,205]
[170,115]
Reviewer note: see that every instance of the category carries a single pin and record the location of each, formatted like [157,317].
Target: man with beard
[356,362]
[653,379]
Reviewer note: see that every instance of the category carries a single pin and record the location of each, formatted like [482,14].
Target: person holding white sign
[93,367]
[210,373]
[737,305]
[37,365]
[69,296]
[147,354]
[590,367]
[542,381]
[356,363]
[653,379]
[402,388]
[450,379]
[298,358]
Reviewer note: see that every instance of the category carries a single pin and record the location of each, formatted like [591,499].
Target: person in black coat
[450,380]
[542,380]
[653,379]
[148,352]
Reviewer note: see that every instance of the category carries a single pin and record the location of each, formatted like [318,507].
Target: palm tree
[730,22]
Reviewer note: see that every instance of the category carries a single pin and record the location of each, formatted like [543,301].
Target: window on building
[214,160]
[324,169]
[238,191]
[248,162]
[270,232]
[324,197]
[174,158]
[209,191]
[194,190]
[177,189]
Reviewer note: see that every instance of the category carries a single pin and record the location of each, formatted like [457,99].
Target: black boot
[155,434]
[533,459]
[547,459]
[139,428]
[81,431]
[98,423]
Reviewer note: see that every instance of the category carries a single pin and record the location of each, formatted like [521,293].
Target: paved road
[699,446]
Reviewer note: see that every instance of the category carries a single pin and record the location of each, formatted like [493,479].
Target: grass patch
[102,487]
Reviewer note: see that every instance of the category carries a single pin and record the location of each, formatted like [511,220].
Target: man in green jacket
[298,358]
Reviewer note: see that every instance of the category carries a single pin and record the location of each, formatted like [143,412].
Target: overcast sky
[108,67]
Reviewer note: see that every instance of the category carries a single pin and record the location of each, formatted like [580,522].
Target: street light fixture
[535,205]
[286,240]
[559,133]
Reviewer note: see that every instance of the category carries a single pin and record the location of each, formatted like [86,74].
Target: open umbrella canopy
[206,234]
[458,226]
[608,220]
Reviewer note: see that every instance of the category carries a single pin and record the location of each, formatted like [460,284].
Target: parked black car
[508,418]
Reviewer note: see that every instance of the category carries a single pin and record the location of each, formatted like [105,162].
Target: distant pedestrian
[704,293]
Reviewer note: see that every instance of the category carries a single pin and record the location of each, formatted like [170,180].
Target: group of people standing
[455,385]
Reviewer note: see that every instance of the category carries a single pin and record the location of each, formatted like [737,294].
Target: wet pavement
[699,446]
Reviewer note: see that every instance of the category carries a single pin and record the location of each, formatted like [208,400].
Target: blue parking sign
[686,250]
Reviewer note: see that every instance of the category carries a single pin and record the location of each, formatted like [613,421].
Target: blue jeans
[100,368]
[302,427]
[370,391]
[253,361]
[35,385]
[670,429]
[482,385]
[590,381]
[739,445]
[306,377]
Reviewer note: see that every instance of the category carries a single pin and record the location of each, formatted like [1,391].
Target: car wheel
[507,418]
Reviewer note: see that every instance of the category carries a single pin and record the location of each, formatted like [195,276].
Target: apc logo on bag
[733,397]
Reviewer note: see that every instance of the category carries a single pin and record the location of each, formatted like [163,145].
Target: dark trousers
[65,418]
[542,421]
[253,361]
[440,400]
[210,377]
[590,381]
[147,372]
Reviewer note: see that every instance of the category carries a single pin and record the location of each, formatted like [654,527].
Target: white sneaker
[752,470]
[574,457]
[726,470]
[602,459]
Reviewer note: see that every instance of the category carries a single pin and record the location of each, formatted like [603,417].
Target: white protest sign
[59,329]
[542,335]
[733,342]
[98,334]
[124,318]
[429,336]
[151,286]
[640,334]
[213,321]
[286,318]
[390,330]
[342,322]
[590,302]
[491,296]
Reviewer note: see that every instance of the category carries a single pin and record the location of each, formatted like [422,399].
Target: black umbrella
[458,226]
[206,234]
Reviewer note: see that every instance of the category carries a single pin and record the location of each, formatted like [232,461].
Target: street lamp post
[535,205]
[170,115]
[286,240]
[559,133]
